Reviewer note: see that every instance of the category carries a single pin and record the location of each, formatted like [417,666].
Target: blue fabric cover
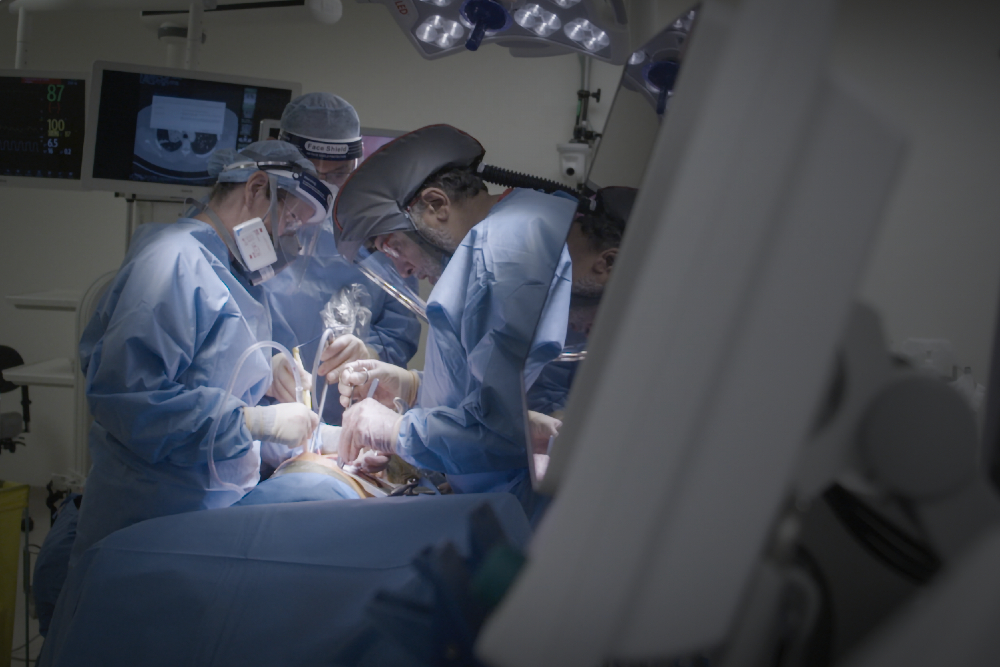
[299,487]
[259,585]
[52,563]
[511,272]
[157,357]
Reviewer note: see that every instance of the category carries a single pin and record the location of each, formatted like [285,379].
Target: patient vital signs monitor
[154,130]
[42,127]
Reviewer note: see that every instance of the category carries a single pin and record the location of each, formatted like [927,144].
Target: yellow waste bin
[13,500]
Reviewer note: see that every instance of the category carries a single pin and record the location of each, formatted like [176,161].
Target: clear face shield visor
[396,261]
[299,205]
[292,224]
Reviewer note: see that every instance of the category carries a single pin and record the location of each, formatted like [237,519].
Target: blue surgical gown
[157,356]
[510,273]
[296,299]
[550,391]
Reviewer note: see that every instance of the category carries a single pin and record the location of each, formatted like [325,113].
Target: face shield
[299,204]
[335,172]
[381,270]
[373,225]
[397,260]
[334,160]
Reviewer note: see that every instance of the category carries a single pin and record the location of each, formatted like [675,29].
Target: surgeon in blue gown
[159,352]
[593,242]
[326,130]
[497,314]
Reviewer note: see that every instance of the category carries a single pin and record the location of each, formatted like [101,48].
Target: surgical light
[660,78]
[586,34]
[440,31]
[534,18]
[529,28]
[637,58]
[483,17]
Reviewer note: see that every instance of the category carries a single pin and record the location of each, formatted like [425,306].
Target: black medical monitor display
[42,127]
[164,129]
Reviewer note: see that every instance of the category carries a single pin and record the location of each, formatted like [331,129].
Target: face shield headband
[324,149]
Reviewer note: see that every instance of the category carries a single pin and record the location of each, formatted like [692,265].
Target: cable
[27,653]
[881,538]
[514,179]
[18,648]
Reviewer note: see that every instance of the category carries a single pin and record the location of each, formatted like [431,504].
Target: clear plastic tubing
[214,482]
[319,398]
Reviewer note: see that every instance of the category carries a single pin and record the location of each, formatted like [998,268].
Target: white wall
[518,108]
[934,69]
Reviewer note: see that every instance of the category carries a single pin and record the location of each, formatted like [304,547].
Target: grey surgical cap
[374,199]
[323,126]
[260,151]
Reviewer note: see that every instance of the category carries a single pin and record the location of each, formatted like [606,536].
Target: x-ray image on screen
[175,137]
[164,129]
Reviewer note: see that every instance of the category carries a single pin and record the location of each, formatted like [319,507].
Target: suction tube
[318,394]
[514,179]
[214,482]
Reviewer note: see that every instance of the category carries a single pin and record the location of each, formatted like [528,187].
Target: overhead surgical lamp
[652,68]
[439,28]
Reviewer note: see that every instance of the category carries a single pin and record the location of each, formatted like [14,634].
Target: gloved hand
[288,424]
[541,428]
[283,378]
[329,439]
[373,462]
[367,425]
[342,350]
[393,382]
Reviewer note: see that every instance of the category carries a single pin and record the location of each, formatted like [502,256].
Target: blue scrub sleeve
[486,431]
[146,392]
[453,441]
[395,332]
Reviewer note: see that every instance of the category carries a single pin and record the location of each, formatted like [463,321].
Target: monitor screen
[161,127]
[375,138]
[42,126]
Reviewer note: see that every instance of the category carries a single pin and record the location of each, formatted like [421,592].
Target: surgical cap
[375,199]
[323,126]
[322,116]
[261,151]
[615,203]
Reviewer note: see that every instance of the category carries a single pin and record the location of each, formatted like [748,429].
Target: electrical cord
[26,659]
[882,539]
[514,179]
[30,641]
